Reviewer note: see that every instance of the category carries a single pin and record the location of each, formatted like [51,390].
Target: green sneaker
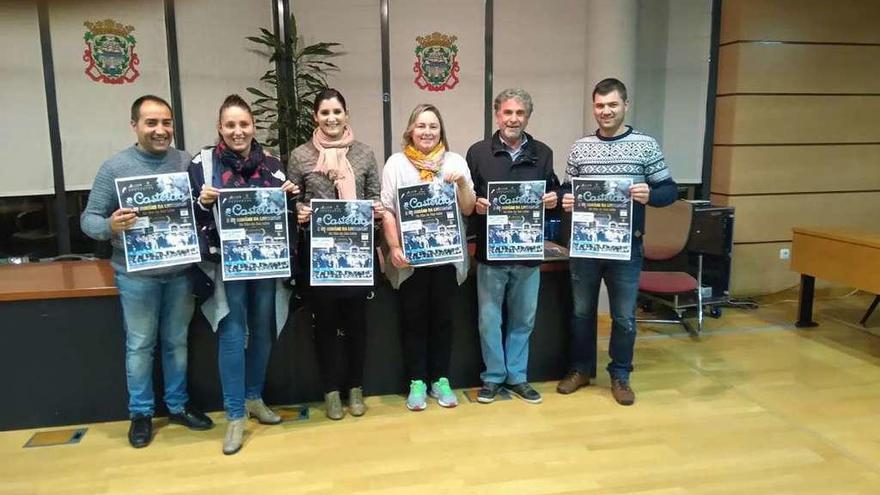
[441,391]
[417,396]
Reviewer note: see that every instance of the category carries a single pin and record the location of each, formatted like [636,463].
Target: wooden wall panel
[757,270]
[797,139]
[771,217]
[842,21]
[787,68]
[785,169]
[752,119]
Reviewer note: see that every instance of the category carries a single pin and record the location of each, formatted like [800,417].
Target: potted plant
[284,108]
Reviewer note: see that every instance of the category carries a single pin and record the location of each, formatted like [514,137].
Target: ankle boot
[234,436]
[334,405]
[356,404]
[256,408]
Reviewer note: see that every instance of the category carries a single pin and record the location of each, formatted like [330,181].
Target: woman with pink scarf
[335,166]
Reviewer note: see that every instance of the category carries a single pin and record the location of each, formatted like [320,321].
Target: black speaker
[712,236]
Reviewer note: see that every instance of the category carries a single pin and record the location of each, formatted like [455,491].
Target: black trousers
[340,336]
[426,310]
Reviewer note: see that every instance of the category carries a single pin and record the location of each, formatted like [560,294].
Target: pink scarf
[332,160]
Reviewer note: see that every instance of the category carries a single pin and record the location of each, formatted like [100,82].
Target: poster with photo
[342,242]
[165,232]
[253,233]
[601,222]
[515,220]
[429,227]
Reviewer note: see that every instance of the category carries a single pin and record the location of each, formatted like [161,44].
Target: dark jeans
[426,300]
[340,337]
[622,280]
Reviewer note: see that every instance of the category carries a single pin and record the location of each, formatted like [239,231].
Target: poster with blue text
[515,220]
[342,242]
[601,223]
[429,228]
[164,233]
[253,233]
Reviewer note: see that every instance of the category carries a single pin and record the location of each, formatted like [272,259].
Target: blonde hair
[418,110]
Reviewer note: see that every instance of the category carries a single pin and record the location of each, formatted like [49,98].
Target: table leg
[870,310]
[805,303]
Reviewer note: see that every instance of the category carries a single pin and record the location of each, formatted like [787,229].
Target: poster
[253,233]
[601,222]
[429,227]
[165,232]
[515,220]
[342,242]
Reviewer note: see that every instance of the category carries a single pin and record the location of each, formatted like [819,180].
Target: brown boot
[572,381]
[622,393]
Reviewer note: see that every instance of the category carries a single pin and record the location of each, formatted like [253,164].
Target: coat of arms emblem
[110,52]
[435,67]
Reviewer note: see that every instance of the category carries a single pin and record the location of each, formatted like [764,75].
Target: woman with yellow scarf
[426,321]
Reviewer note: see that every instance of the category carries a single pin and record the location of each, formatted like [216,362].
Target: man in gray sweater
[157,304]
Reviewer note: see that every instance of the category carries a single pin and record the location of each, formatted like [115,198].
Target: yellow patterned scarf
[428,164]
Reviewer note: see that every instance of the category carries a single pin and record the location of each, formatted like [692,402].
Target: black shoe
[140,433]
[487,392]
[191,418]
[525,392]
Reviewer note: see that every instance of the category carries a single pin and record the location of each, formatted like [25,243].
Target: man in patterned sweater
[620,151]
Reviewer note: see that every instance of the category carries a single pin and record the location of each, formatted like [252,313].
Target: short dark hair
[234,100]
[328,94]
[136,106]
[609,85]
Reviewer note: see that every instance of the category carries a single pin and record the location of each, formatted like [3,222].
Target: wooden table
[56,280]
[64,362]
[849,257]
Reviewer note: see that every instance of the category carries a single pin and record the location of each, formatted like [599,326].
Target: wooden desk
[848,257]
[64,346]
[56,280]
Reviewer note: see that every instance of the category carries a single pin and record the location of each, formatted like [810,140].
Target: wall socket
[784,253]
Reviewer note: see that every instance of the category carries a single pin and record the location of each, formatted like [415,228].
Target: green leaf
[268,34]
[257,92]
[259,41]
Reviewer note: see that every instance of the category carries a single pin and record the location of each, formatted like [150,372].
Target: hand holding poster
[429,228]
[342,242]
[601,225]
[515,221]
[253,233]
[164,233]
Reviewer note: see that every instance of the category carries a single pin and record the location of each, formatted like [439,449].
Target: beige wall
[24,128]
[93,116]
[462,106]
[539,46]
[671,87]
[528,53]
[796,132]
[211,70]
[360,77]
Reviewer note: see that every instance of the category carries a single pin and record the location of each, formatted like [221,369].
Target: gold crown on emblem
[108,26]
[436,39]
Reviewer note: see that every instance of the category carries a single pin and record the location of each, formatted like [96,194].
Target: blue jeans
[155,308]
[518,285]
[245,341]
[622,280]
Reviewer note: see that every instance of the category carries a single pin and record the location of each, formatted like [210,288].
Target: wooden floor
[753,406]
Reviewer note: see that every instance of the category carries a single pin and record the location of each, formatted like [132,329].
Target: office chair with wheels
[667,231]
